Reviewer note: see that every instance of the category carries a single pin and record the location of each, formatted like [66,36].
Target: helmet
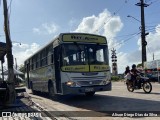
[127,67]
[133,66]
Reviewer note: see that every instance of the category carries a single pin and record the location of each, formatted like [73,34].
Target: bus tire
[89,94]
[33,91]
[51,91]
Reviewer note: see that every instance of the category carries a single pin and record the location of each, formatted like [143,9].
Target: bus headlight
[72,84]
[104,82]
[69,83]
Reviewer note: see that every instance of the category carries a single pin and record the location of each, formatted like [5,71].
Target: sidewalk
[22,109]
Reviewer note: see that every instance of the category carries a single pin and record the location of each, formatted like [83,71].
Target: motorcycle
[141,82]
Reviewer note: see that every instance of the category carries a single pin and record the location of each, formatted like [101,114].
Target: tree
[21,68]
[139,65]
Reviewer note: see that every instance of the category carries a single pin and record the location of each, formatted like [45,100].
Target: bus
[72,63]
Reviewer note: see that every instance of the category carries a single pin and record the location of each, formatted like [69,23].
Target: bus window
[100,55]
[97,54]
[82,54]
[43,57]
[72,55]
[49,52]
[38,60]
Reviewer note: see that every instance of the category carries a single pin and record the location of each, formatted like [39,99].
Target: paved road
[119,99]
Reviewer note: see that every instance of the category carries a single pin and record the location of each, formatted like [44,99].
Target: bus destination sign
[84,38]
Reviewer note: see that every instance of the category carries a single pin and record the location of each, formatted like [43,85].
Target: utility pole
[143,34]
[11,85]
[114,62]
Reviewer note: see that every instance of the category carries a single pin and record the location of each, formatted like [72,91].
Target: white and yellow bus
[72,63]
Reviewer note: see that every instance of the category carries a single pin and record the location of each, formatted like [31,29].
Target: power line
[154,2]
[123,41]
[126,35]
[110,17]
[152,29]
[149,50]
[151,26]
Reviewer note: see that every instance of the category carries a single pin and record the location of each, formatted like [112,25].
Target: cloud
[46,28]
[104,24]
[128,59]
[72,22]
[24,51]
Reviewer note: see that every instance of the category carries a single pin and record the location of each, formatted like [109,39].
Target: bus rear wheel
[33,91]
[51,91]
[89,94]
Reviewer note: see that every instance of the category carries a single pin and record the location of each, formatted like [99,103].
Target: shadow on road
[154,93]
[109,103]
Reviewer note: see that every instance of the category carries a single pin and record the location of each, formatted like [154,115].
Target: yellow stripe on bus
[94,68]
[77,68]
[85,68]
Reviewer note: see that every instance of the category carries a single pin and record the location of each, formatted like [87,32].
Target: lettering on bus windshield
[83,38]
[99,67]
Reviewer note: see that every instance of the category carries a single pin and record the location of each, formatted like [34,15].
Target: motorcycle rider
[127,70]
[134,74]
[127,74]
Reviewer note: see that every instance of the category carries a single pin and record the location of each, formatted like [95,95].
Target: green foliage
[139,65]
[115,78]
[22,68]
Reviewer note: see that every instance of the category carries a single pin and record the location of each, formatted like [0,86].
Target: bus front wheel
[89,93]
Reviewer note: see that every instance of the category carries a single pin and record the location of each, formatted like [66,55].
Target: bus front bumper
[84,89]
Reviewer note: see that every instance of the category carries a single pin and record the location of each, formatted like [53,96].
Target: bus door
[27,71]
[57,62]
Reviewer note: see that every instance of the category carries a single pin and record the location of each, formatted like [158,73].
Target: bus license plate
[89,89]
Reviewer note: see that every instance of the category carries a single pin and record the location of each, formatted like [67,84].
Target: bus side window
[38,61]
[43,58]
[49,52]
[52,58]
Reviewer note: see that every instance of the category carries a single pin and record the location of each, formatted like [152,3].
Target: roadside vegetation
[116,78]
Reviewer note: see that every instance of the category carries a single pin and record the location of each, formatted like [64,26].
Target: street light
[144,42]
[133,18]
[16,42]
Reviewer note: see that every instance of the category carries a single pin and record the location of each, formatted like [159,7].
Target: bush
[115,78]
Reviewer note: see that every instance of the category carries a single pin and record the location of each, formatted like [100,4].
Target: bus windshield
[84,54]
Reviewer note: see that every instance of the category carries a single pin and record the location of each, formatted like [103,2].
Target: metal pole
[11,85]
[143,34]
[158,71]
[16,76]
[2,70]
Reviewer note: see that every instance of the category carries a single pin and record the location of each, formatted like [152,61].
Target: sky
[34,23]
